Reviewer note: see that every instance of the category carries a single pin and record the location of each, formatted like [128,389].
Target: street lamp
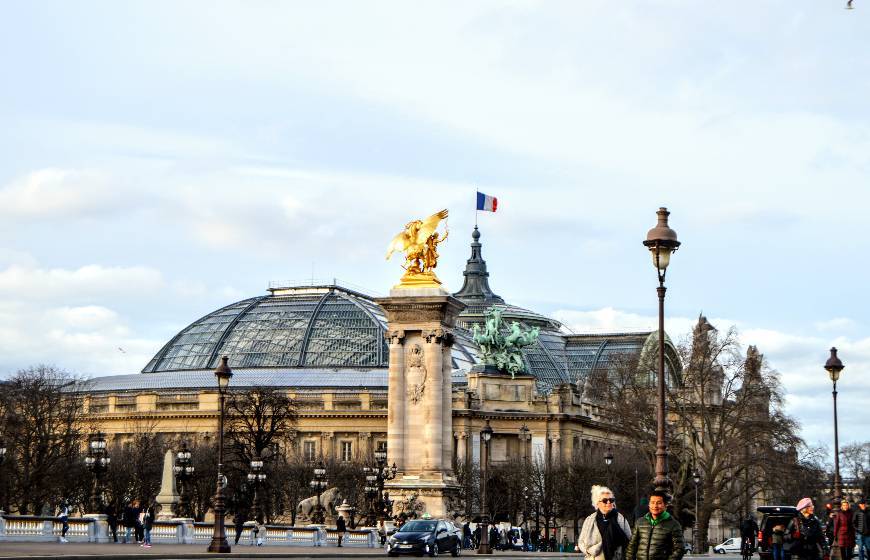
[219,543]
[97,462]
[661,241]
[374,488]
[696,476]
[608,460]
[255,478]
[318,484]
[484,548]
[183,472]
[834,367]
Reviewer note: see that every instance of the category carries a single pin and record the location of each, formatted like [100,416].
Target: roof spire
[476,289]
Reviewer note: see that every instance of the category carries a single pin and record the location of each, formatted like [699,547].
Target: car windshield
[418,526]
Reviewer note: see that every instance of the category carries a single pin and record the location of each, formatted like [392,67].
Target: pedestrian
[829,522]
[112,521]
[147,519]
[805,536]
[64,519]
[466,536]
[748,533]
[140,517]
[776,540]
[340,528]
[239,523]
[862,528]
[524,534]
[844,530]
[127,520]
[657,535]
[606,532]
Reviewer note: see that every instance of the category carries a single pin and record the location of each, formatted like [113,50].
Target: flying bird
[849,5]
[122,350]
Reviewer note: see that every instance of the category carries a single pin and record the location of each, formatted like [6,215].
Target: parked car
[426,536]
[771,516]
[730,546]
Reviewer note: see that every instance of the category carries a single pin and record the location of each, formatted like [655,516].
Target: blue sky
[160,160]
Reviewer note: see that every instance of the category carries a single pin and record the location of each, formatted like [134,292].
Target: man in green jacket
[657,535]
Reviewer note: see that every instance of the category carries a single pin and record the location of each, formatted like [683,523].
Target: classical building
[328,347]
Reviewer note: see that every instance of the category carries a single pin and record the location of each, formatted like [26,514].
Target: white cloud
[59,194]
[28,282]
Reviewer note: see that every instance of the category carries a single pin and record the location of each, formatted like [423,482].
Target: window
[346,451]
[308,451]
[382,446]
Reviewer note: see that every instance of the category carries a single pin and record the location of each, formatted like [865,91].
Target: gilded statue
[499,349]
[419,241]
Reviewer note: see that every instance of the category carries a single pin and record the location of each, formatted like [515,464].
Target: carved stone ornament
[416,373]
[395,337]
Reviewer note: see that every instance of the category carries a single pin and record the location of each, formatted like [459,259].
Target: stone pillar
[433,409]
[396,400]
[461,446]
[420,413]
[555,447]
[327,444]
[364,448]
[168,496]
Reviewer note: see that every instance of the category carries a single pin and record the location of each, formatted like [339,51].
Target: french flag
[486,203]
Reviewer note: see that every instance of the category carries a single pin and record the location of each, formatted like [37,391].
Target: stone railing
[32,528]
[94,529]
[366,538]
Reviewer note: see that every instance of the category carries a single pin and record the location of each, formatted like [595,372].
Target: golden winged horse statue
[419,241]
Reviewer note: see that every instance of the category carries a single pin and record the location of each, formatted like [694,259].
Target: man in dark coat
[657,535]
[341,528]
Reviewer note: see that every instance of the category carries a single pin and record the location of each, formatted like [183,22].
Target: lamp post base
[219,546]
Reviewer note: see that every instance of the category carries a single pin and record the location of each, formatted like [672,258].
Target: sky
[159,160]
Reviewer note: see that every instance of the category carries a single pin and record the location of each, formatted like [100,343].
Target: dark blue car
[425,536]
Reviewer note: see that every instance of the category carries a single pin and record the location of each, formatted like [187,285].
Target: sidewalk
[88,551]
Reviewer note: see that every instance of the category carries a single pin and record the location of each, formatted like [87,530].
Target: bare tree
[41,414]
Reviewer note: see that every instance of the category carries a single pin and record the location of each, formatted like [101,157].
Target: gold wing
[429,226]
[399,243]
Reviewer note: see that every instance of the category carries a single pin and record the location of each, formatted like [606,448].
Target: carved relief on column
[396,398]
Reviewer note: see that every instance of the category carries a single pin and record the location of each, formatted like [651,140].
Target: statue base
[433,494]
[413,281]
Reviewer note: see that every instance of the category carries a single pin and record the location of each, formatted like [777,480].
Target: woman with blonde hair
[606,532]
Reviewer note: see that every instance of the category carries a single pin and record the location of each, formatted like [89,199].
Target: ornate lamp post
[486,436]
[371,493]
[834,367]
[219,543]
[183,472]
[255,478]
[383,473]
[318,484]
[608,460]
[696,476]
[97,462]
[661,241]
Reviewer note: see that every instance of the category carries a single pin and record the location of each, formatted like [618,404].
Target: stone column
[364,449]
[419,417]
[461,446]
[447,402]
[396,400]
[433,396]
[327,444]
[555,449]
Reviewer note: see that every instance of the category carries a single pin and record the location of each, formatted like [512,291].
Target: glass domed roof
[312,327]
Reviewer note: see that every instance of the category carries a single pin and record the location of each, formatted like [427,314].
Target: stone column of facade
[420,414]
[396,400]
[327,444]
[555,447]
[364,451]
[461,446]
